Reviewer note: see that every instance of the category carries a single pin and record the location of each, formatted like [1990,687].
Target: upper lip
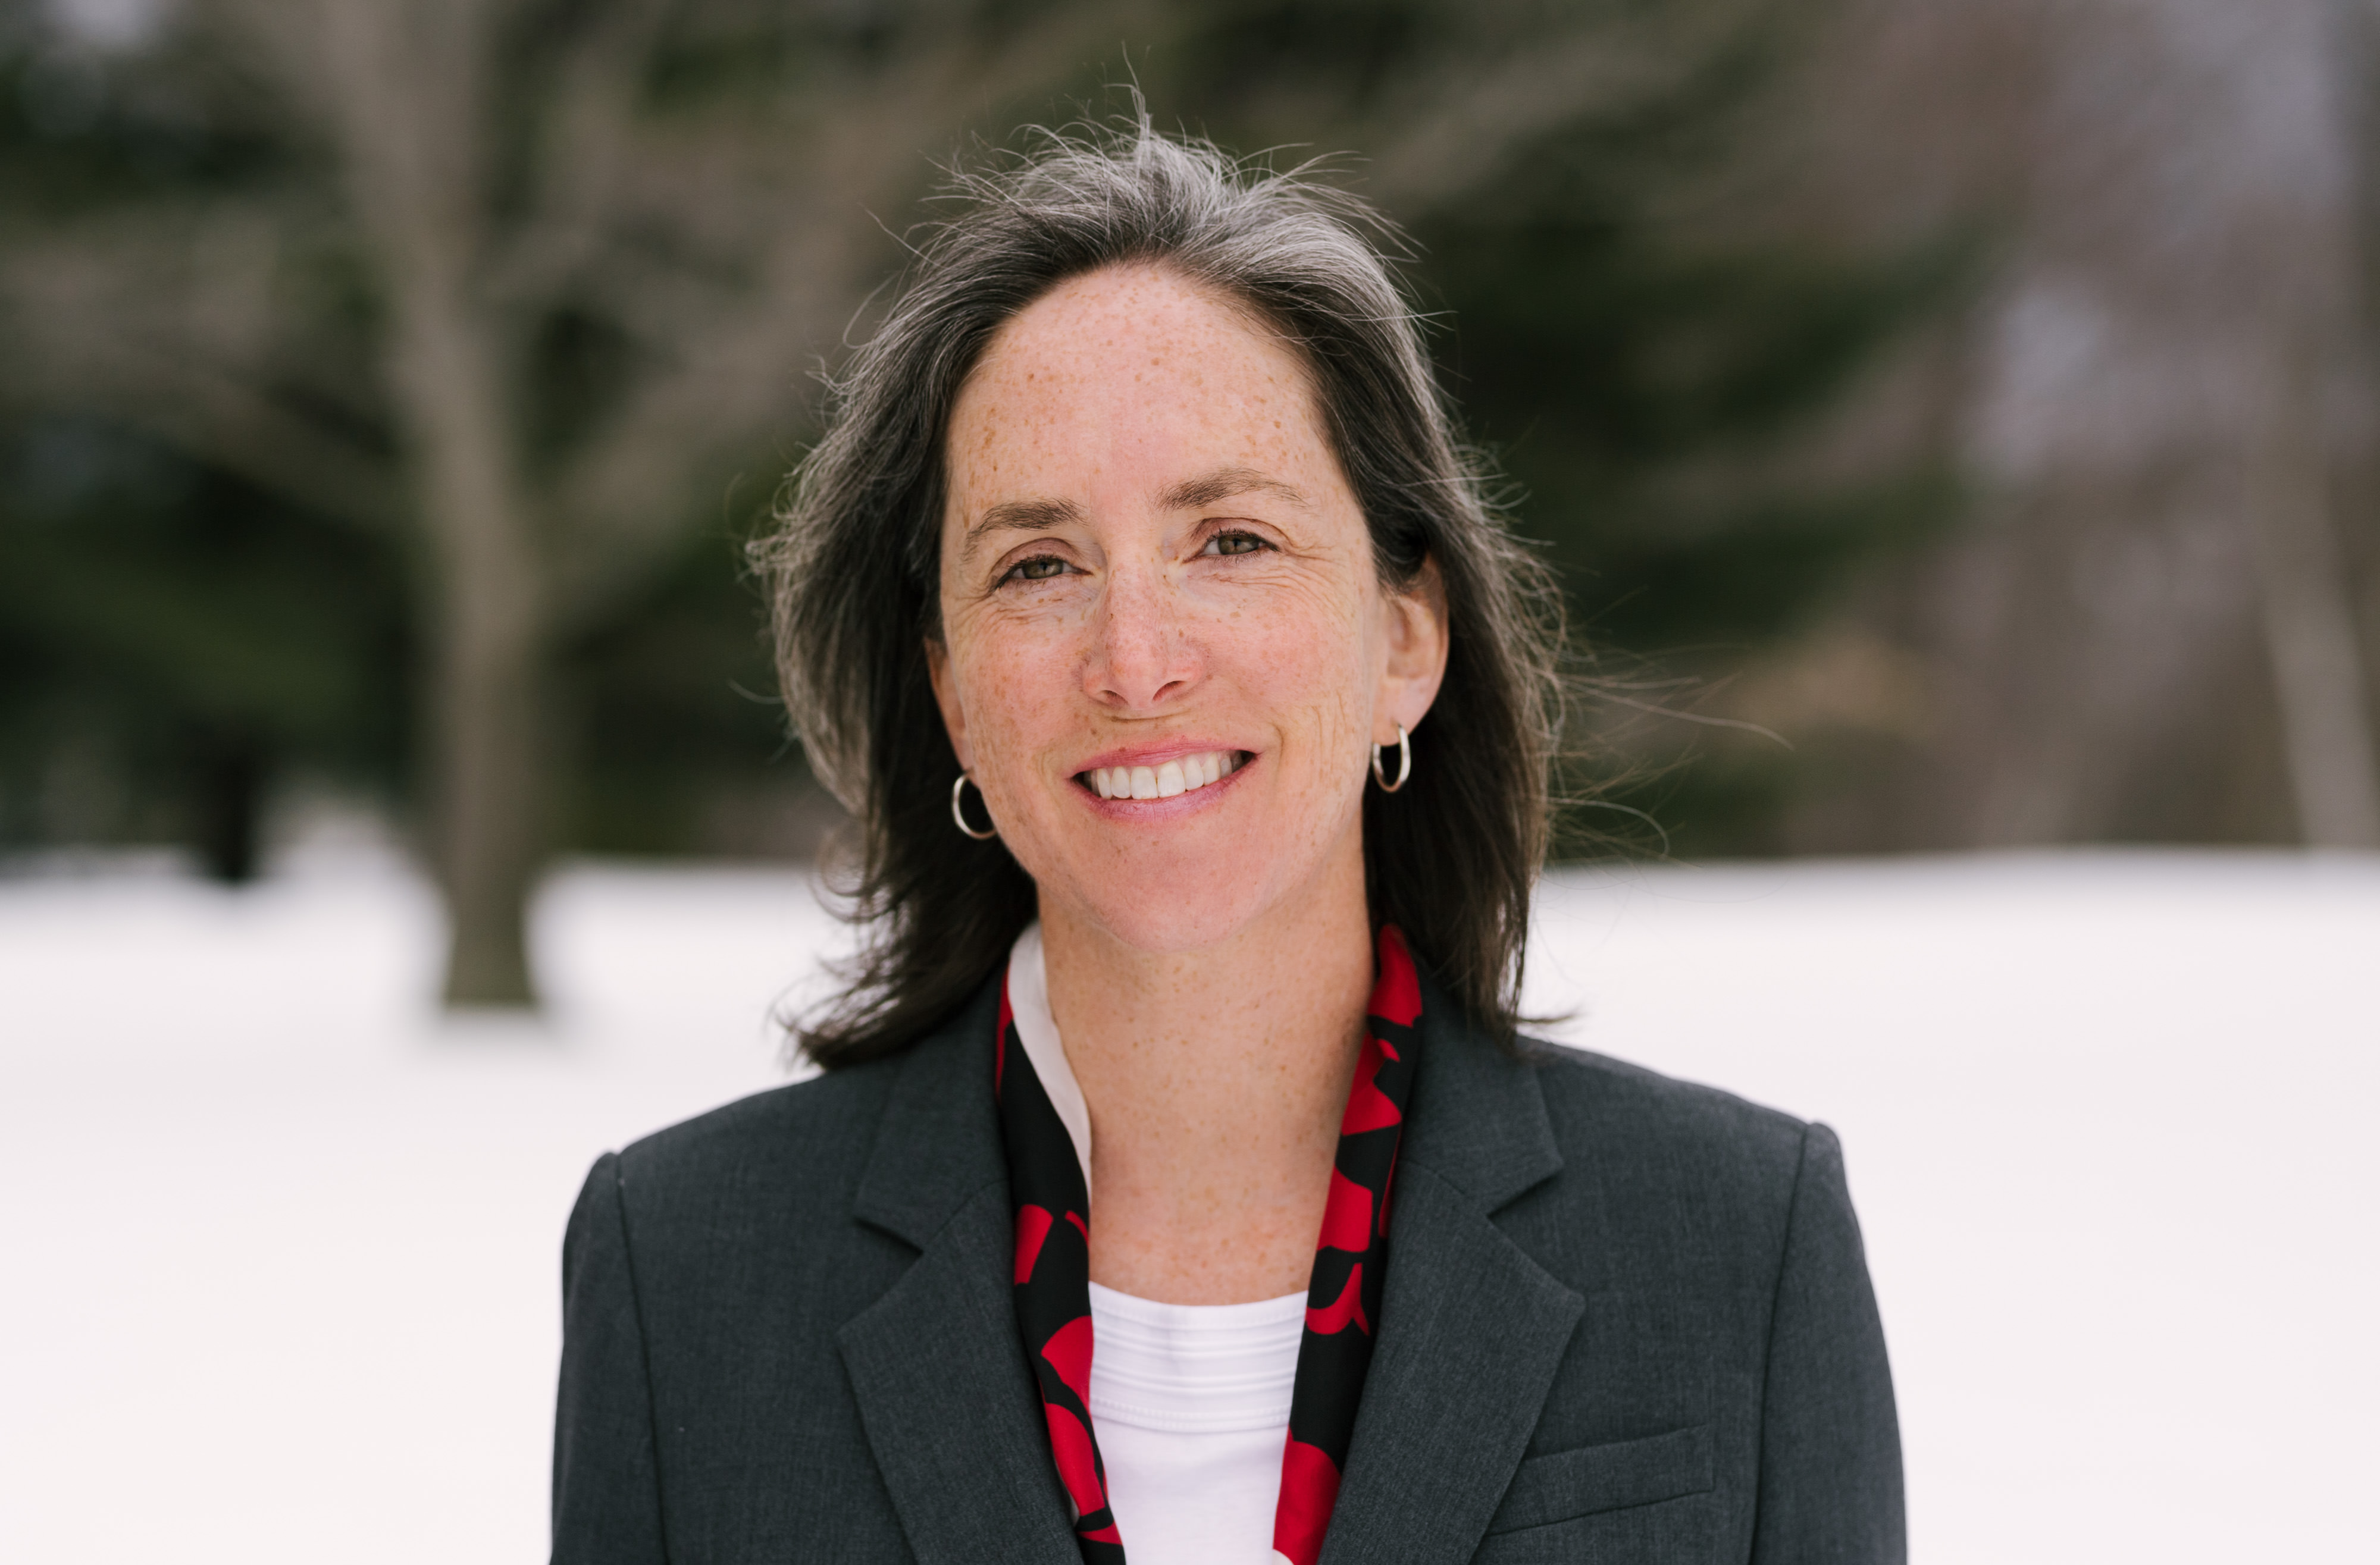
[1153,754]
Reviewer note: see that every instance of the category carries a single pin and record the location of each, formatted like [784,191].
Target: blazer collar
[938,1140]
[1472,1330]
[1478,1114]
[935,1364]
[1479,1120]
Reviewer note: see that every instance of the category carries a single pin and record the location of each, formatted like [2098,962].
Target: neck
[1216,1079]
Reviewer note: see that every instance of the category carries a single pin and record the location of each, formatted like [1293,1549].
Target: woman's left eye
[1041,567]
[1233,543]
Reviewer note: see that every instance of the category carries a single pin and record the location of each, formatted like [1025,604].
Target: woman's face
[1165,651]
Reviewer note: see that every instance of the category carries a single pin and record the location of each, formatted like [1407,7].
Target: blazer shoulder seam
[644,1343]
[1784,1260]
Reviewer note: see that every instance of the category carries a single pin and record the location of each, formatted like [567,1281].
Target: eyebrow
[1225,482]
[1025,515]
[1040,516]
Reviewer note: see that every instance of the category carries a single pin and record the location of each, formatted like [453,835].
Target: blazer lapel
[935,1364]
[1471,1329]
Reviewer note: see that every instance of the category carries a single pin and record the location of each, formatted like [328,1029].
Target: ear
[946,696]
[1416,661]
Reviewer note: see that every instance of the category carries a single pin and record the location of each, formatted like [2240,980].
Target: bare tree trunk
[2309,620]
[410,78]
[486,711]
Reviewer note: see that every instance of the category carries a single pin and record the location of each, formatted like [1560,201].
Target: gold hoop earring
[1404,762]
[960,814]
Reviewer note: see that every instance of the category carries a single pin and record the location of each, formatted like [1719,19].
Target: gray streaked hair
[853,566]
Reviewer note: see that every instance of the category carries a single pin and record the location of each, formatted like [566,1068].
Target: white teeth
[1181,775]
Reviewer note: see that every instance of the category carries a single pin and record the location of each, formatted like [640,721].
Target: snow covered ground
[281,1247]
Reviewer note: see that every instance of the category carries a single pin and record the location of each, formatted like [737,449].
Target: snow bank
[283,1246]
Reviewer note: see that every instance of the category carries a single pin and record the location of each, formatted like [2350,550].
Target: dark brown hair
[853,568]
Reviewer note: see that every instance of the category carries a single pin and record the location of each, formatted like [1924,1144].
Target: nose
[1143,657]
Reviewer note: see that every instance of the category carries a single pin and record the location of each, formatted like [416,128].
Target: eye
[1234,543]
[1041,567]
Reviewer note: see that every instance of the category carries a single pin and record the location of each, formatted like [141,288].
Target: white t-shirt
[1191,1406]
[1190,1403]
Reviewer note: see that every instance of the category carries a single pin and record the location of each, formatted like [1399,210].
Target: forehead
[1135,365]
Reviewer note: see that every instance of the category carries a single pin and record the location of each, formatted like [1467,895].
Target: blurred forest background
[1955,418]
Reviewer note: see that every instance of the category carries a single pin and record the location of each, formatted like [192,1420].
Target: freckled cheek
[1016,689]
[1308,677]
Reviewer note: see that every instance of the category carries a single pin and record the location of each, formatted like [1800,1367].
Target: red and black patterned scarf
[1342,1303]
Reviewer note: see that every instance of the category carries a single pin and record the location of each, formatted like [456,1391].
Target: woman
[1177,1185]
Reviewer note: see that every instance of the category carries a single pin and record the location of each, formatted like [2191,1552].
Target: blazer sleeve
[1830,1441]
[606,1483]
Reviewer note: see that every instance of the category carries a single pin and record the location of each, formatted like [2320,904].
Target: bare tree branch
[735,378]
[582,143]
[143,320]
[1460,122]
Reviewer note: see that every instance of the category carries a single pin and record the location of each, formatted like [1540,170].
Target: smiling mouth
[1182,774]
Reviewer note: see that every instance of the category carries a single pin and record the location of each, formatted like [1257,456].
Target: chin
[1162,906]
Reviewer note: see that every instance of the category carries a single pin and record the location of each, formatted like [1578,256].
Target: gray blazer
[1626,1320]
